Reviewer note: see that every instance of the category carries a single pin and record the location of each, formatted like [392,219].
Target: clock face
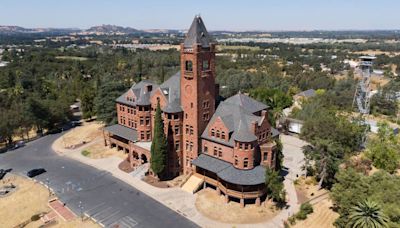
[188,89]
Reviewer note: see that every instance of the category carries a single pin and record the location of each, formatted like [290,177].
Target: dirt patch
[307,189]
[81,135]
[323,216]
[154,182]
[98,150]
[214,207]
[178,181]
[30,198]
[126,166]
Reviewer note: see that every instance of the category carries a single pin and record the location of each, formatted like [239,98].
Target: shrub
[35,217]
[85,153]
[292,220]
[305,209]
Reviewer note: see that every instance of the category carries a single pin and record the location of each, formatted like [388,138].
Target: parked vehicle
[35,172]
[19,144]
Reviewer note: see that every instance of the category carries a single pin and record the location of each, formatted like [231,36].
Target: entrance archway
[143,158]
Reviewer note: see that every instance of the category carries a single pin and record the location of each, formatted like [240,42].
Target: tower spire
[197,34]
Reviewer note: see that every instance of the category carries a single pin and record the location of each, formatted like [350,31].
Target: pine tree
[159,144]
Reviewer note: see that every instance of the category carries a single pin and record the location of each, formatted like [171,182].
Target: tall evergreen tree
[159,144]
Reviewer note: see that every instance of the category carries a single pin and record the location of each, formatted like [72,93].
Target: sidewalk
[175,198]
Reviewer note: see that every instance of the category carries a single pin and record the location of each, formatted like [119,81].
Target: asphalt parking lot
[88,190]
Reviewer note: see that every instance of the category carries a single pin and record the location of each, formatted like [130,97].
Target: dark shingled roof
[197,34]
[227,172]
[246,102]
[123,132]
[243,134]
[142,96]
[237,113]
[171,90]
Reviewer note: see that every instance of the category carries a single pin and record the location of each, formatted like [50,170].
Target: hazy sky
[217,14]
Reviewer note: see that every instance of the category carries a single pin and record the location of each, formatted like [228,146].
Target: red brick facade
[191,121]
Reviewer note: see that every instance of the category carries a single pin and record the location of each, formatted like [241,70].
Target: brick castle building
[227,146]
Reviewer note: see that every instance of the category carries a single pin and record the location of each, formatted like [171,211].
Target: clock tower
[198,89]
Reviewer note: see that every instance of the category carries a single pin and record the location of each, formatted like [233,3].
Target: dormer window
[189,66]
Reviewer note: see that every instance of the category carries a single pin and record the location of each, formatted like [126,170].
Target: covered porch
[244,186]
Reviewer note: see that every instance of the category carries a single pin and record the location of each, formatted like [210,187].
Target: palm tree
[367,214]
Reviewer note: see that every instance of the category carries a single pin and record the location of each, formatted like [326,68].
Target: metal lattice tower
[363,93]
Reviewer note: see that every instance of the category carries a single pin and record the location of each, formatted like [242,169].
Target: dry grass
[236,47]
[60,223]
[29,199]
[213,206]
[377,52]
[85,133]
[98,150]
[307,189]
[323,216]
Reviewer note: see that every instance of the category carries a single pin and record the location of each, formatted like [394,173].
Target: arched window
[236,160]
[245,162]
[218,134]
[212,132]
[223,135]
[188,65]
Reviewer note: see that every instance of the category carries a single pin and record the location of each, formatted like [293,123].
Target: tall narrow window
[188,65]
[245,162]
[176,129]
[206,65]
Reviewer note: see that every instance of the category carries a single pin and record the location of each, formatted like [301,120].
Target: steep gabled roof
[142,96]
[237,113]
[246,102]
[197,34]
[171,90]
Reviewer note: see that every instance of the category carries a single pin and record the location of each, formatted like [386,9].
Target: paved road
[104,197]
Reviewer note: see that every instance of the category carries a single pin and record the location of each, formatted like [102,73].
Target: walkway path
[184,202]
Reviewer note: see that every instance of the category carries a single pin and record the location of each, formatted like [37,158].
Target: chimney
[264,113]
[254,126]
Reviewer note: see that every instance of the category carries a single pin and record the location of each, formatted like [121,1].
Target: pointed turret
[197,34]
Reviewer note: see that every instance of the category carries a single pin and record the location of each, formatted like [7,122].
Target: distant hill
[11,29]
[107,29]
